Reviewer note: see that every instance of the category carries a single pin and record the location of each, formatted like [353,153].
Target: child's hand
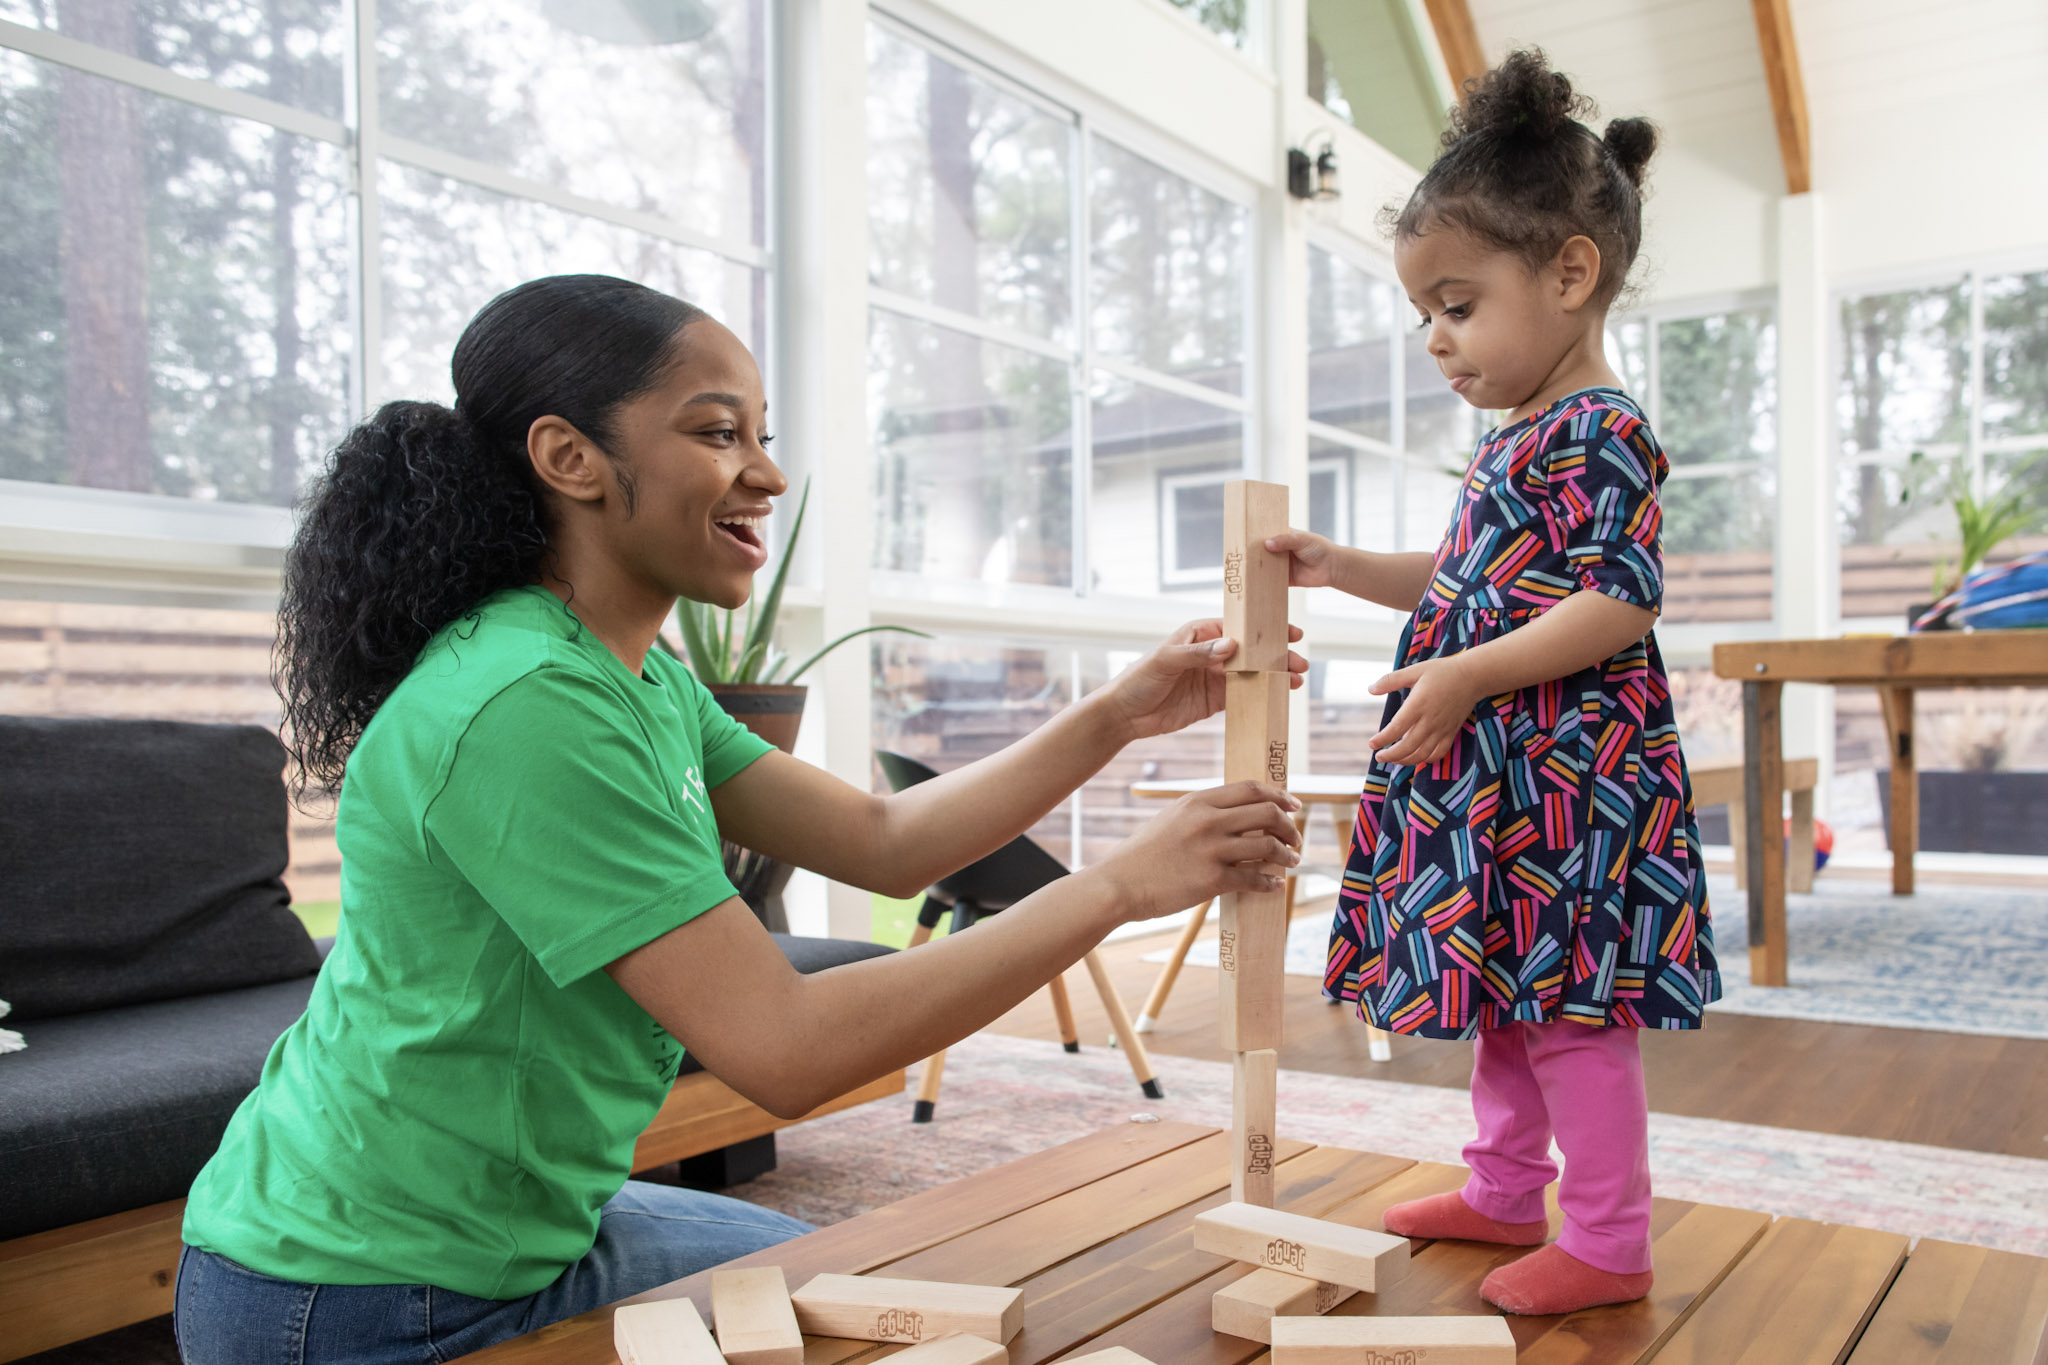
[1440,699]
[1309,556]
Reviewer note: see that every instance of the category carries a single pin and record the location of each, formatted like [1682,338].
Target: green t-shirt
[464,1090]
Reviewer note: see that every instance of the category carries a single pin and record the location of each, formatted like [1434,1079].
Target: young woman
[534,920]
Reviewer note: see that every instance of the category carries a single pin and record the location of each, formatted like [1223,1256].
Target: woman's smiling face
[693,474]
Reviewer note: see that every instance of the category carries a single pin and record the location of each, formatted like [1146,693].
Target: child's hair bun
[1520,98]
[1631,142]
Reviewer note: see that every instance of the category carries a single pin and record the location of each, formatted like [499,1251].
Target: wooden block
[1246,1308]
[1253,1102]
[670,1332]
[1251,931]
[876,1308]
[1255,727]
[751,1310]
[1308,1247]
[1254,579]
[1411,1341]
[1115,1355]
[955,1348]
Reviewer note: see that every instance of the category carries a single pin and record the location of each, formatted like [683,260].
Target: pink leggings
[1585,1085]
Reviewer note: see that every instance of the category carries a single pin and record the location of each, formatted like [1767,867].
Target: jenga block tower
[1254,578]
[1252,1104]
[1469,1340]
[1308,1247]
[1253,924]
[756,1326]
[1246,1308]
[877,1308]
[671,1332]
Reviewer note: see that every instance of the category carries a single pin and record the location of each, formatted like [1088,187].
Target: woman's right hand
[1310,556]
[1237,837]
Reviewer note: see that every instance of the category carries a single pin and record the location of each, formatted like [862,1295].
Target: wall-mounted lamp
[1313,175]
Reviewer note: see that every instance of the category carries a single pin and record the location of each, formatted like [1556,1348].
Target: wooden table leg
[1378,1043]
[1763,801]
[1905,832]
[1126,1036]
[927,1101]
[1063,1014]
[1155,1003]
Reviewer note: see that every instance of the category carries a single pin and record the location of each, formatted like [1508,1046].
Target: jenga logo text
[1374,1356]
[899,1324]
[1233,573]
[1276,762]
[1226,951]
[1329,1295]
[1289,1255]
[1258,1154]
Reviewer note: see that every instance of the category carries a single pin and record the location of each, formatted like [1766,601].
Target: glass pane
[2024,475]
[1628,352]
[1170,266]
[1441,426]
[948,702]
[969,193]
[657,107]
[973,456]
[1898,532]
[291,53]
[1368,66]
[449,248]
[1718,388]
[163,663]
[2016,355]
[1905,370]
[1370,517]
[173,287]
[1224,18]
[1109,812]
[1343,715]
[1350,346]
[1146,441]
[1718,546]
[1429,494]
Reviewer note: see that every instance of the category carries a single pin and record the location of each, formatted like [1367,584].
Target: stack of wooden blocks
[759,1322]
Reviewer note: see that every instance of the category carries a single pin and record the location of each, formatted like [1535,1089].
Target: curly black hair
[1520,172]
[426,510]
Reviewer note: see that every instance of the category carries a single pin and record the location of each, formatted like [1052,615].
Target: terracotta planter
[773,712]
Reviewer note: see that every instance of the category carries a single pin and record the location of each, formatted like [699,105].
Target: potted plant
[735,656]
[1981,526]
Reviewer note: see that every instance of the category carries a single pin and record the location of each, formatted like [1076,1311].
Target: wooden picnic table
[1099,1233]
[1896,666]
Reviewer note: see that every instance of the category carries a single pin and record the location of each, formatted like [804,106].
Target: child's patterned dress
[1548,865]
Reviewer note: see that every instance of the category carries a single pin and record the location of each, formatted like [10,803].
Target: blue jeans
[647,1235]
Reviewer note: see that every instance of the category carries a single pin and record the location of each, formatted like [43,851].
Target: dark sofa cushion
[141,860]
[117,1109]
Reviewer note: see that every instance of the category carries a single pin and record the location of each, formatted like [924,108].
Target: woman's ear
[564,459]
[1576,268]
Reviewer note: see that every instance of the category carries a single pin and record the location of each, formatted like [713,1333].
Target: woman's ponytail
[425,510]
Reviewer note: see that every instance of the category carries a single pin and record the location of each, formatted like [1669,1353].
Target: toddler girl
[1526,869]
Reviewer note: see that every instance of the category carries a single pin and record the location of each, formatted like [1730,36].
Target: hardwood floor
[1906,1085]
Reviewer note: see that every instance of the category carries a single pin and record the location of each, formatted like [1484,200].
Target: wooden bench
[1722,786]
[75,1282]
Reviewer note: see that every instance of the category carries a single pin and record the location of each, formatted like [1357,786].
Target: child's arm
[1395,581]
[1577,633]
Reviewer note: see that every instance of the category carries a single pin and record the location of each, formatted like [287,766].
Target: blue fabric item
[647,1235]
[2011,596]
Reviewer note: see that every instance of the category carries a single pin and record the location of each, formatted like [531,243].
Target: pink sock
[1555,1281]
[1448,1216]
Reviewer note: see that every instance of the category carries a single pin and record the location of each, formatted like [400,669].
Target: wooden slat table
[1099,1233]
[1896,666]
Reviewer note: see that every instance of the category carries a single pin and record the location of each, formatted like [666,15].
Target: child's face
[1497,330]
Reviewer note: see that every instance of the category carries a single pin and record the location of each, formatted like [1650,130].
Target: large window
[1943,395]
[1708,385]
[188,304]
[1369,65]
[1059,330]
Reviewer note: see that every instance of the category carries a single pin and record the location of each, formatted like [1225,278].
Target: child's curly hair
[1520,172]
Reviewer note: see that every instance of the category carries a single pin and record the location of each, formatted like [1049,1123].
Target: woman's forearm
[1392,580]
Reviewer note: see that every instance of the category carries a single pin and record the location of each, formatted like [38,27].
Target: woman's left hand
[1440,700]
[1181,682]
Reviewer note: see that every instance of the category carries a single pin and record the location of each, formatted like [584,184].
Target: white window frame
[1174,482]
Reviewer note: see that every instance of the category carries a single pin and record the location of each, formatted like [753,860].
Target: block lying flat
[1308,1247]
[1246,1308]
[1253,1105]
[750,1309]
[1412,1341]
[1115,1355]
[671,1332]
[875,1308]
[955,1348]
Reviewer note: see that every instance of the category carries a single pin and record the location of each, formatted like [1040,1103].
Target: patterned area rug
[1008,1097]
[1954,959]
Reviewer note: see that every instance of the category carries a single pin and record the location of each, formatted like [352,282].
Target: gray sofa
[150,952]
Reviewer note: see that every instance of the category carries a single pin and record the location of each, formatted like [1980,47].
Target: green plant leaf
[805,666]
[689,616]
[760,629]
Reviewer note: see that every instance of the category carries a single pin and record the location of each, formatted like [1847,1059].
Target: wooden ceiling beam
[1458,39]
[1788,91]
